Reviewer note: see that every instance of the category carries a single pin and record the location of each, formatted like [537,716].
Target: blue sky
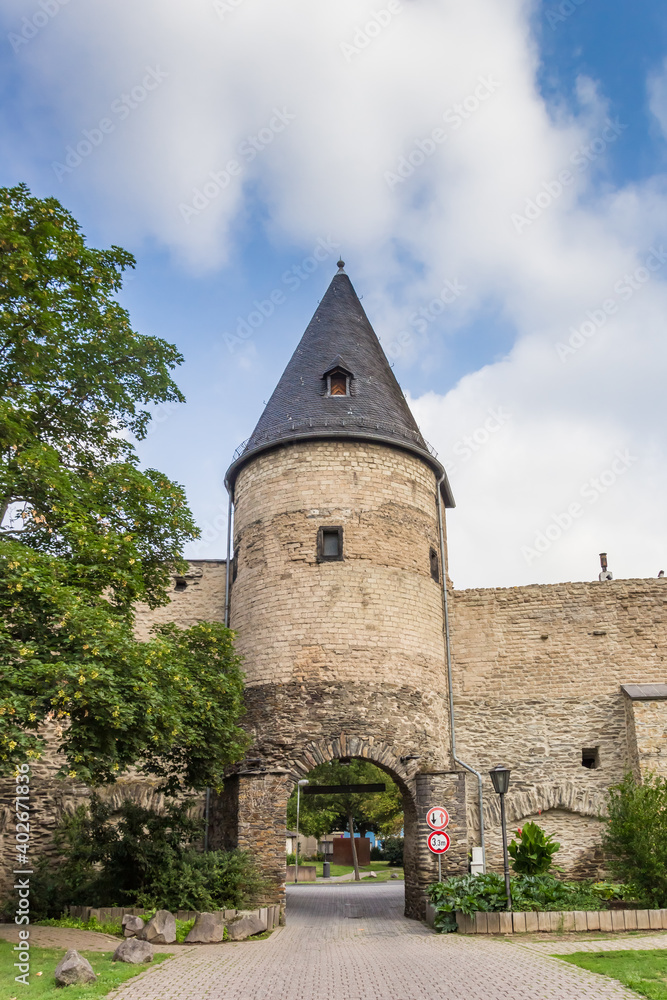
[555,453]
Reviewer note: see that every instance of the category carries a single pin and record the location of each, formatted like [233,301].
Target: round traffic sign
[438,842]
[437,818]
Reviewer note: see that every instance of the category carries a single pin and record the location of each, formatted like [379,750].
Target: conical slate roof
[339,336]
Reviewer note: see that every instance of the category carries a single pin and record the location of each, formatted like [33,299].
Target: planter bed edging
[556,921]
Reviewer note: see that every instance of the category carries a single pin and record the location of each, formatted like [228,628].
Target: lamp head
[500,776]
[304,781]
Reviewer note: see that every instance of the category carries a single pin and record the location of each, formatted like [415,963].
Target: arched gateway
[336,595]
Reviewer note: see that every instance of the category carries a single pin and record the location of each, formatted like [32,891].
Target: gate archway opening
[348,813]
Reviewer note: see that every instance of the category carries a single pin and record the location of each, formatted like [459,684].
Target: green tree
[85,534]
[635,838]
[75,381]
[381,812]
[134,856]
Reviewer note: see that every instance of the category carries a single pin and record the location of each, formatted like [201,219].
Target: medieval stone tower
[337,596]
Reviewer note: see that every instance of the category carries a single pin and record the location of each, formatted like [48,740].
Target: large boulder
[161,929]
[133,951]
[132,925]
[74,970]
[209,928]
[246,923]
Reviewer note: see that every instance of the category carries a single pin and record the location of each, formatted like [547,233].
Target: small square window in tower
[590,757]
[330,544]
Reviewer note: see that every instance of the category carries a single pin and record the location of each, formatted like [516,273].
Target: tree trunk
[355,860]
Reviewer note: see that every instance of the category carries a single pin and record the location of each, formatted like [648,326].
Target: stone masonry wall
[648,721]
[348,653]
[537,676]
[352,651]
[375,616]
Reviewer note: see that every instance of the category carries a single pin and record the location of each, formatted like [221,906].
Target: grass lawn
[110,974]
[381,868]
[642,971]
[375,866]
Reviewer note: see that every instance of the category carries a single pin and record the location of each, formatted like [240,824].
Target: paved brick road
[352,943]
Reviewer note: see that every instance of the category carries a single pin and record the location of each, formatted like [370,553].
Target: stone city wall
[647,720]
[537,676]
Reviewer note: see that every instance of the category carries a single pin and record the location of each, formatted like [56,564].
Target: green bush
[635,839]
[216,880]
[377,854]
[392,850]
[291,858]
[140,858]
[113,927]
[533,854]
[486,893]
[183,927]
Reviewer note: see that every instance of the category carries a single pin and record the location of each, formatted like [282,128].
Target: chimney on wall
[605,574]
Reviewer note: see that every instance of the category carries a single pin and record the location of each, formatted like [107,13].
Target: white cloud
[355,117]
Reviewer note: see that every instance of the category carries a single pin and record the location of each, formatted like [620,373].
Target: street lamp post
[304,781]
[500,776]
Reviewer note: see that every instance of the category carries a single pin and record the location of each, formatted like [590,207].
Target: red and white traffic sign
[438,842]
[437,818]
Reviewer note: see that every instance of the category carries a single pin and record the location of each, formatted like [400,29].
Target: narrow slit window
[435,571]
[330,544]
[181,584]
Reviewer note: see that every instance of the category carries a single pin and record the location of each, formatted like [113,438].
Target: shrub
[635,839]
[291,858]
[392,850]
[377,854]
[533,855]
[144,859]
[112,927]
[194,881]
[486,893]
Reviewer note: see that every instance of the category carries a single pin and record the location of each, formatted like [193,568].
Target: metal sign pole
[296,852]
[439,868]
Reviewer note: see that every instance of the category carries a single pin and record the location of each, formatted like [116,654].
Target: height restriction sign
[438,842]
[437,818]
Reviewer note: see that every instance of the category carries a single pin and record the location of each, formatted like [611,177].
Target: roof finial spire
[341,266]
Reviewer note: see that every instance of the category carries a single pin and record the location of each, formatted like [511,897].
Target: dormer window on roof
[337,379]
[338,385]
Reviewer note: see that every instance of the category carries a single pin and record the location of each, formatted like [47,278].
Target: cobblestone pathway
[352,942]
[613,942]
